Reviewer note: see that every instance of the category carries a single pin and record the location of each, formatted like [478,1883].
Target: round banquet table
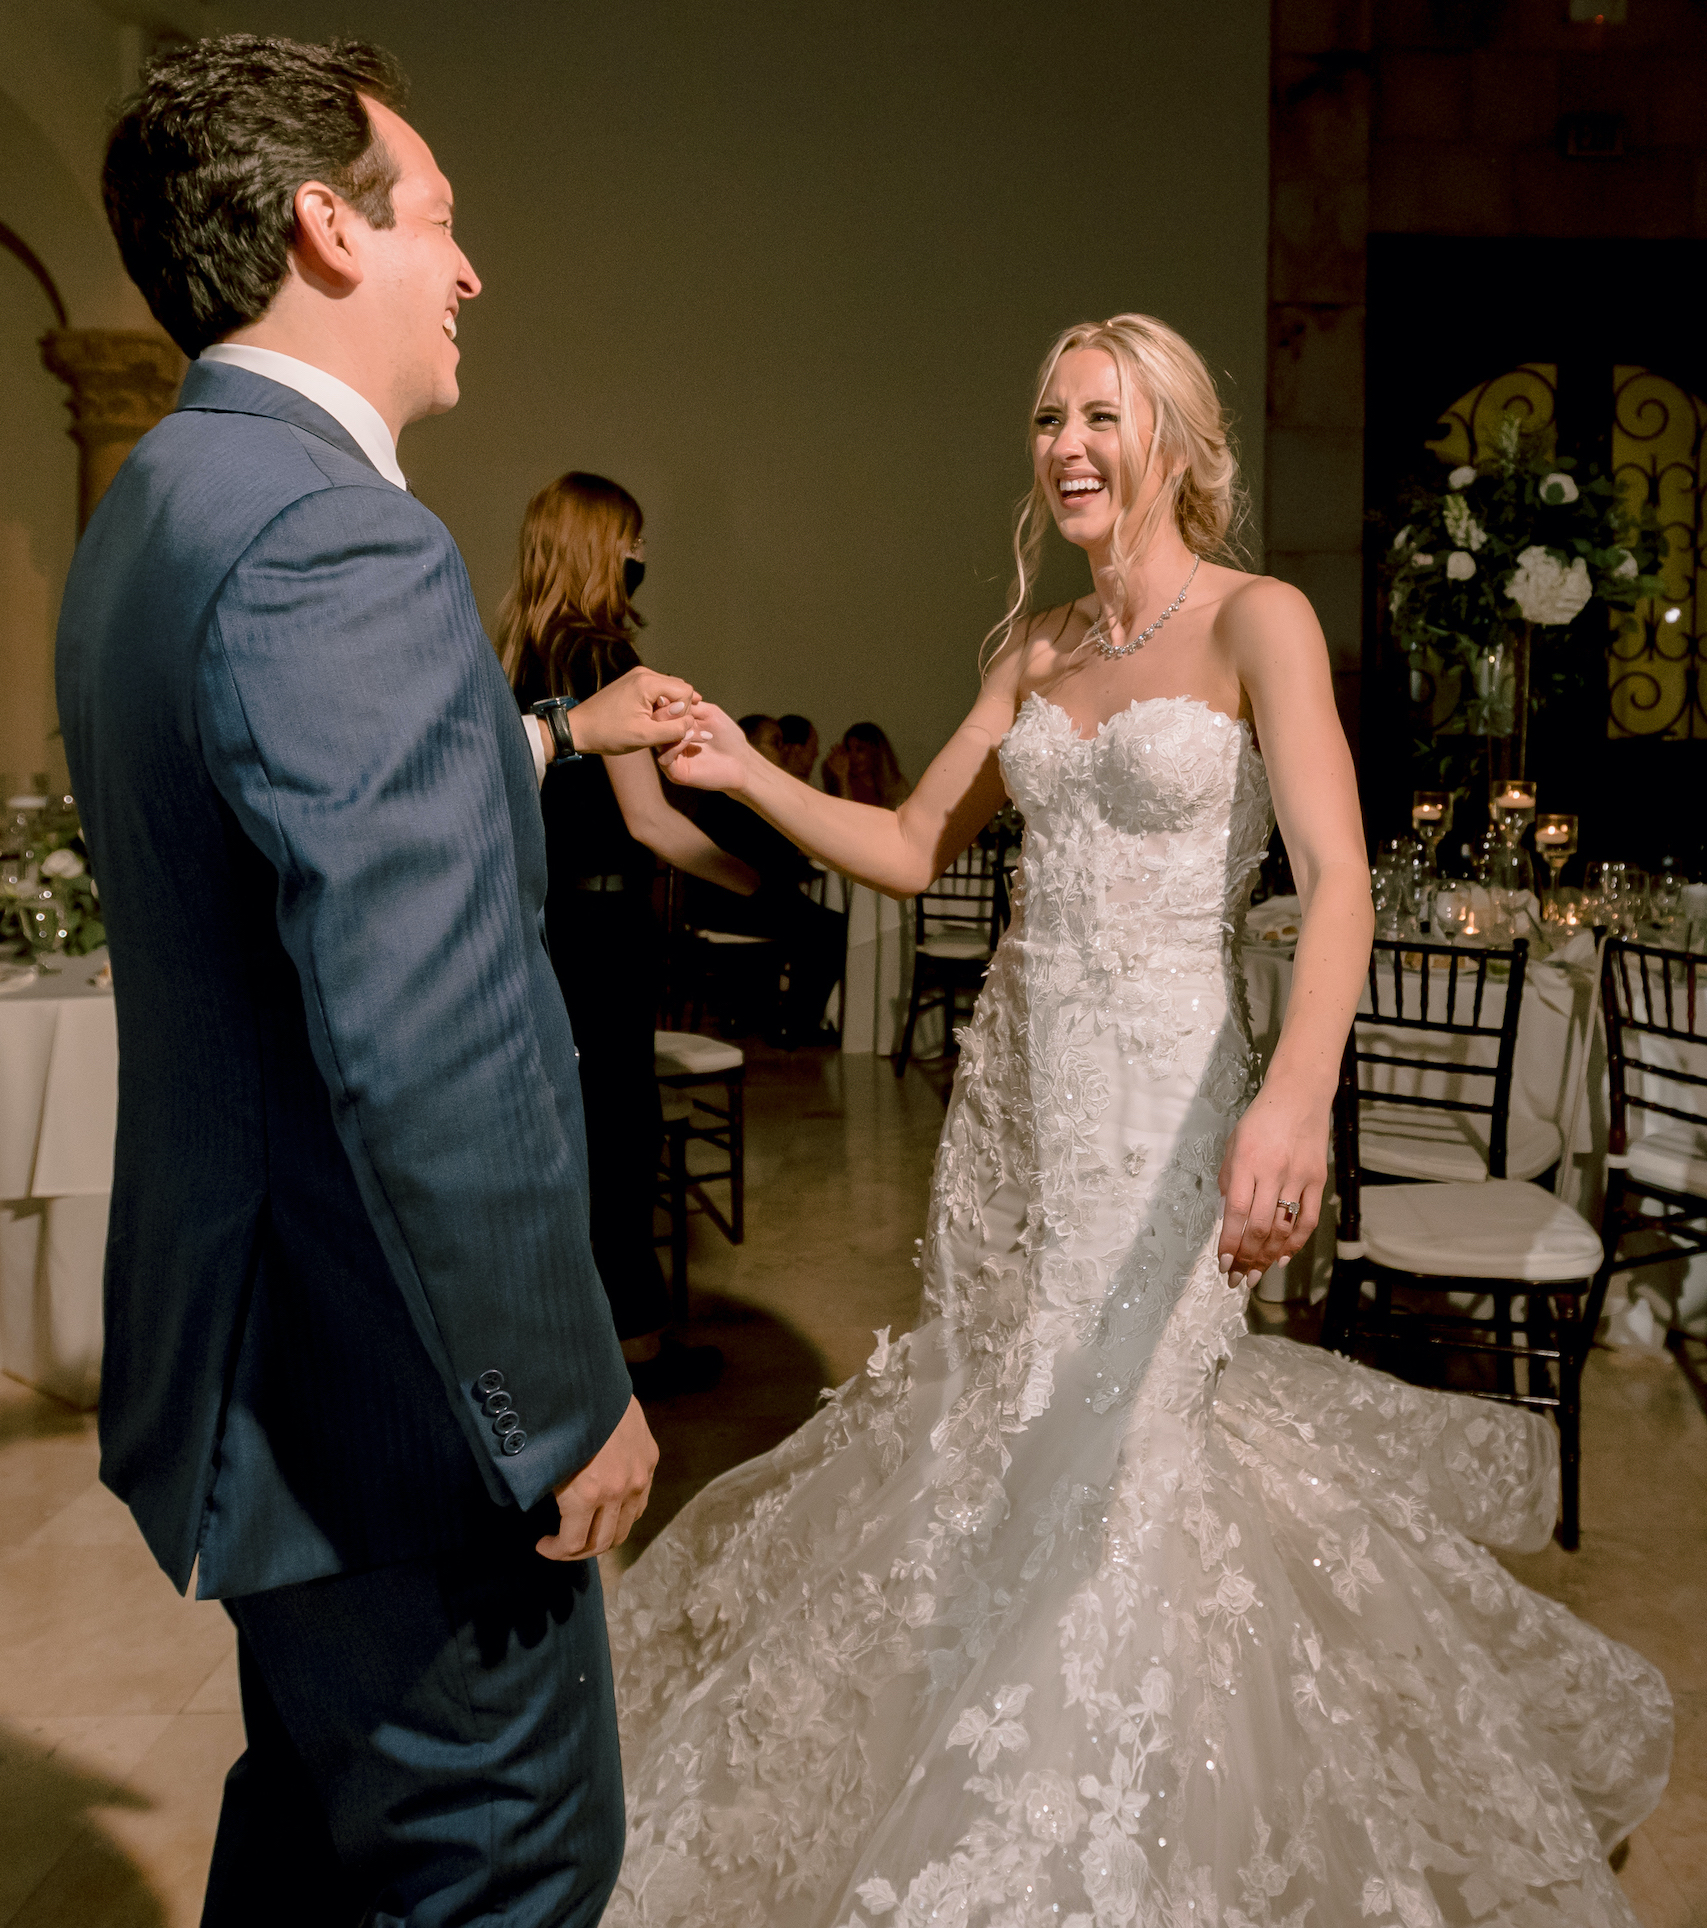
[59,1084]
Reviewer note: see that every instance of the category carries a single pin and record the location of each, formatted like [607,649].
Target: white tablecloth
[870,1006]
[59,1073]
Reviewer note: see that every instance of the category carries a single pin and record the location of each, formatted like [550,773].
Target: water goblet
[1431,818]
[1392,900]
[1450,914]
[1556,839]
[1632,900]
[45,929]
[1511,804]
[1665,902]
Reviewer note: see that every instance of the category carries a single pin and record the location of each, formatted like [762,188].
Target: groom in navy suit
[360,1373]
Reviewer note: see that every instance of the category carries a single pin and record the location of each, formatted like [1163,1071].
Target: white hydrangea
[1558,488]
[1545,590]
[1461,478]
[1422,561]
[1461,525]
[1460,565]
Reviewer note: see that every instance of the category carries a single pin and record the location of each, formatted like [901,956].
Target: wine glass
[1511,804]
[1556,839]
[1451,912]
[1431,818]
[1632,900]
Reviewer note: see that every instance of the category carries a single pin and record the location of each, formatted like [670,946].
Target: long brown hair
[568,610]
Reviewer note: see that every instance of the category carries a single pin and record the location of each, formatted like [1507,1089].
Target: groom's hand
[640,711]
[604,1499]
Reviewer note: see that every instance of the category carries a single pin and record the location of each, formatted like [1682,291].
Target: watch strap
[555,712]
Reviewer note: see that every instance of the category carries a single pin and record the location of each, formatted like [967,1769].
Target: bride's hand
[1278,1152]
[713,755]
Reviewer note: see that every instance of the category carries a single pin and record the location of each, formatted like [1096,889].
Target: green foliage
[1447,576]
[78,894]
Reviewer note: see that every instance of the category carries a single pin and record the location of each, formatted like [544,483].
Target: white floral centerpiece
[1486,573]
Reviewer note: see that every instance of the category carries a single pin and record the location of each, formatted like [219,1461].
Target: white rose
[1628,566]
[62,863]
[1420,561]
[1460,565]
[1558,488]
[1545,590]
[1461,478]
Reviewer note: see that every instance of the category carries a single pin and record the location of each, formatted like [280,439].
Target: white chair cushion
[686,1054]
[728,937]
[967,944]
[1500,1229]
[1674,1157]
[1450,1146]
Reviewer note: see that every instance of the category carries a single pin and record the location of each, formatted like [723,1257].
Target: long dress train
[1082,1606]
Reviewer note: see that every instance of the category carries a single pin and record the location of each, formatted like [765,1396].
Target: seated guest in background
[566,629]
[799,746]
[765,735]
[863,766]
[813,939]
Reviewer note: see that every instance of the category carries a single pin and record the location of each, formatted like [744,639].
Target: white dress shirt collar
[351,411]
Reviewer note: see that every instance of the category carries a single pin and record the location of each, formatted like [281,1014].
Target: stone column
[122,381]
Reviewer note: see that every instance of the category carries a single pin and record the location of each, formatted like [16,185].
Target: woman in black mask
[567,627]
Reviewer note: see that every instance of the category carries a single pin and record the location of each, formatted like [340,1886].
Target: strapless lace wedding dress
[1082,1606]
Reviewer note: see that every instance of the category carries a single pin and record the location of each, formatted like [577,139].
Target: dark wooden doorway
[1446,315]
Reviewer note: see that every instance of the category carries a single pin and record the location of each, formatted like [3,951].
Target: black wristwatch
[555,710]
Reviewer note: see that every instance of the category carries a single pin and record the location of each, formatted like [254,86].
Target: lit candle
[1552,833]
[1512,798]
[1427,813]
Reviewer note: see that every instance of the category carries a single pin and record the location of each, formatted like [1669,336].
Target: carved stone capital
[122,381]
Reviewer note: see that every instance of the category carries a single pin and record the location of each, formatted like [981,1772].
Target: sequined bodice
[1140,840]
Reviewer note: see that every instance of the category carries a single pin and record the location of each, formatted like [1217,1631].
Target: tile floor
[118,1700]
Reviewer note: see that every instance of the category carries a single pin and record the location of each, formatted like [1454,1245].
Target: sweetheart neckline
[1139,703]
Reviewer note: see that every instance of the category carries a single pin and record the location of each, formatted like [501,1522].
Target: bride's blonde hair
[1192,441]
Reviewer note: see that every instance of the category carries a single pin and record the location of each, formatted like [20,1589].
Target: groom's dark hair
[202,169]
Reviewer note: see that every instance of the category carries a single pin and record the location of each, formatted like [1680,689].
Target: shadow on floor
[771,1378]
[57,1865]
[26,1413]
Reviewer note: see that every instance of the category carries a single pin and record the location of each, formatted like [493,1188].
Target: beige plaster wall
[63,63]
[786,272]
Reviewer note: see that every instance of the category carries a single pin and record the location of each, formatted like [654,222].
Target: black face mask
[633,574]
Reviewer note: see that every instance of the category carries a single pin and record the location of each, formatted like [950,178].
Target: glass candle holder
[1556,841]
[1431,818]
[1511,804]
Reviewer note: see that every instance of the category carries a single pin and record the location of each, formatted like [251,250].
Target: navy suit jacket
[351,1169]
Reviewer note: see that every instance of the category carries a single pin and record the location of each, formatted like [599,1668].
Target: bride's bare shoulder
[1042,639]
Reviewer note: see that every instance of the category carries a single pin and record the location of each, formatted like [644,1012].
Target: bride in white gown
[1081,1606]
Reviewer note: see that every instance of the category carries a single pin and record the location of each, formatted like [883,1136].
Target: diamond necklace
[1097,633]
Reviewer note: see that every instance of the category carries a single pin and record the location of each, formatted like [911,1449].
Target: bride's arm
[896,851]
[1278,1150]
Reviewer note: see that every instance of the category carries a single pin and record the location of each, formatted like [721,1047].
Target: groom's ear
[324,249]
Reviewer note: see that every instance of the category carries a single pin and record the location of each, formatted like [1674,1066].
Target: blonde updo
[1202,490]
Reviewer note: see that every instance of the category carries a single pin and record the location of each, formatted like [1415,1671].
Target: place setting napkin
[1273,924]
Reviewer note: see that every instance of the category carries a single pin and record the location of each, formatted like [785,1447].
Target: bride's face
[1075,444]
